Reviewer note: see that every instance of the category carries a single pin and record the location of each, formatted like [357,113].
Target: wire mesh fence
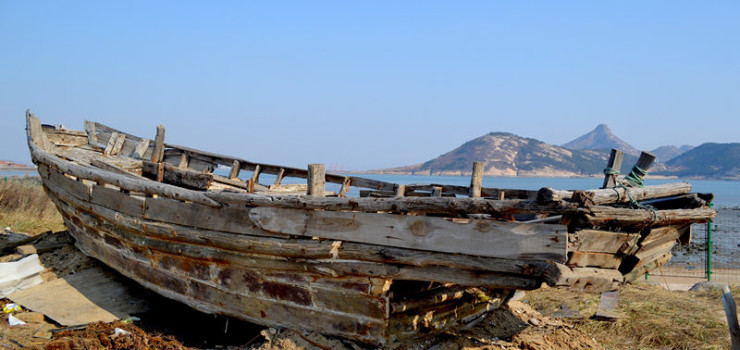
[712,255]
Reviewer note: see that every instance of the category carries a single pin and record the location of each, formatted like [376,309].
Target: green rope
[635,176]
[610,171]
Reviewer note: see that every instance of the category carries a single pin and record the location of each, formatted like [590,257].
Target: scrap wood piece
[21,274]
[616,194]
[91,295]
[582,278]
[607,305]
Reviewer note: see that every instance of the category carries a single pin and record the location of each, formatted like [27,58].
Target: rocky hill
[507,154]
[666,153]
[709,160]
[601,138]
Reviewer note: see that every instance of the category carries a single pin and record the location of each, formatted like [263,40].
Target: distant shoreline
[648,177]
[19,169]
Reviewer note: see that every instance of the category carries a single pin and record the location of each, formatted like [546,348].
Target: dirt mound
[516,327]
[116,335]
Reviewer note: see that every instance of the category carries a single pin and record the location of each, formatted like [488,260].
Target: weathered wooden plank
[289,188]
[469,236]
[614,163]
[600,260]
[450,205]
[115,143]
[227,219]
[645,266]
[182,177]
[616,194]
[583,278]
[605,215]
[596,241]
[670,233]
[122,181]
[129,170]
[476,179]
[92,136]
[36,134]
[66,137]
[158,154]
[731,314]
[140,149]
[117,201]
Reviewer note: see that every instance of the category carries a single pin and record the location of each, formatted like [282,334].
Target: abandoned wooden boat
[397,263]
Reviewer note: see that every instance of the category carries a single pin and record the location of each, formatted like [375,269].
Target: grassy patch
[24,206]
[649,317]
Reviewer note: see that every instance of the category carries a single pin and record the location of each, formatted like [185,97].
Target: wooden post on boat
[255,178]
[635,177]
[158,154]
[316,179]
[235,168]
[92,137]
[476,180]
[612,168]
[436,191]
[279,176]
[401,190]
[345,186]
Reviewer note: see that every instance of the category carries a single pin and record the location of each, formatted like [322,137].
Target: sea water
[726,193]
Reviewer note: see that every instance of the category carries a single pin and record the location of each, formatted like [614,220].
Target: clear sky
[371,84]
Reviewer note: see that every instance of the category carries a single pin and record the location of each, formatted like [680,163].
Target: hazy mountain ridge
[507,154]
[708,160]
[601,138]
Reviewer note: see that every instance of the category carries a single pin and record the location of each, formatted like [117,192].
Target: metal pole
[709,248]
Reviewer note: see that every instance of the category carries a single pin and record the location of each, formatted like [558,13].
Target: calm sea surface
[726,193]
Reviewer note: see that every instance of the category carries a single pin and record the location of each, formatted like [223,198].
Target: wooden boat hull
[378,270]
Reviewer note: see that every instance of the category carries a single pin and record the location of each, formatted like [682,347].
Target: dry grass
[649,317]
[24,206]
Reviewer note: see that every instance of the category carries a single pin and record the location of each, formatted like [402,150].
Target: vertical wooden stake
[501,195]
[92,137]
[644,162]
[316,180]
[436,191]
[345,186]
[184,159]
[255,178]
[401,190]
[158,154]
[476,180]
[615,162]
[731,313]
[141,148]
[279,176]
[235,168]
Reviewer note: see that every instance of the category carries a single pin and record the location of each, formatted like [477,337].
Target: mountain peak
[601,138]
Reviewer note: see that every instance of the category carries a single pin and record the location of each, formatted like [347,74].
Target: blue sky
[372,84]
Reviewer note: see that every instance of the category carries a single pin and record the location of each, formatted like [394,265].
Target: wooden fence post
[731,313]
